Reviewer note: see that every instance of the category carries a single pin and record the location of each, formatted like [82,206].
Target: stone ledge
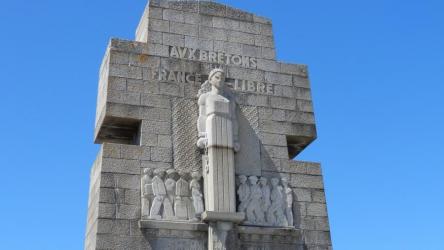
[173,225]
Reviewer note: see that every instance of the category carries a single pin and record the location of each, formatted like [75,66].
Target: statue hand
[202,142]
[236,147]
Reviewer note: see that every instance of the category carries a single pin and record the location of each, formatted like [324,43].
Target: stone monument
[198,125]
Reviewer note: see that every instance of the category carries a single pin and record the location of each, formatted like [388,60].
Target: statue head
[253,180]
[263,181]
[284,181]
[217,78]
[196,175]
[148,171]
[274,181]
[242,179]
[172,174]
[159,173]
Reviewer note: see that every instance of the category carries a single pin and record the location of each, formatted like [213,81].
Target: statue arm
[201,127]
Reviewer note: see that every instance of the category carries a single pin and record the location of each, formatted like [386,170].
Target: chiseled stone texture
[140,93]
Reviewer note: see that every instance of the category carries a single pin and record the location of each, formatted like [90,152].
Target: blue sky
[377,74]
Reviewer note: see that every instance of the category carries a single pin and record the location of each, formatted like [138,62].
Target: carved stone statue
[146,191]
[196,196]
[159,192]
[265,189]
[218,135]
[255,215]
[275,214]
[170,185]
[288,201]
[244,193]
[181,203]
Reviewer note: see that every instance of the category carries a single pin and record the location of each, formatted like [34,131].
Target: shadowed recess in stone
[119,130]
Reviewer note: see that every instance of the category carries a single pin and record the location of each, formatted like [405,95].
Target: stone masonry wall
[136,97]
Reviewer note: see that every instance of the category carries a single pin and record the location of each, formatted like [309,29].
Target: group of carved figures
[265,204]
[168,195]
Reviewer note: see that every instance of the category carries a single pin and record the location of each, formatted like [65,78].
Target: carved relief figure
[218,135]
[255,215]
[159,192]
[275,214]
[181,203]
[170,185]
[146,191]
[197,196]
[265,200]
[288,201]
[244,193]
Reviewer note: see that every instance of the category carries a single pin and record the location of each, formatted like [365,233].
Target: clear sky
[377,74]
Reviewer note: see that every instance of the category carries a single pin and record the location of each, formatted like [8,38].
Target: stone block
[108,195]
[302,194]
[304,106]
[316,209]
[156,101]
[132,197]
[225,23]
[318,196]
[147,139]
[107,211]
[161,154]
[156,165]
[272,114]
[260,19]
[276,78]
[250,27]
[184,29]
[111,165]
[130,212]
[212,33]
[299,81]
[257,100]
[114,180]
[266,29]
[307,181]
[111,150]
[158,50]
[155,114]
[191,18]
[156,127]
[268,65]
[173,39]
[213,9]
[154,36]
[299,117]
[165,141]
[294,69]
[251,50]
[196,43]
[246,74]
[264,41]
[158,25]
[283,103]
[241,37]
[317,238]
[187,6]
[302,93]
[131,152]
[118,57]
[173,15]
[279,152]
[206,20]
[155,12]
[117,227]
[268,53]
[273,139]
[238,14]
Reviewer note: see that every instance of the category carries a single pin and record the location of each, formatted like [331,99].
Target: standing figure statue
[218,135]
[255,215]
[196,196]
[181,203]
[244,193]
[275,214]
[288,202]
[146,191]
[170,185]
[159,192]
[265,201]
